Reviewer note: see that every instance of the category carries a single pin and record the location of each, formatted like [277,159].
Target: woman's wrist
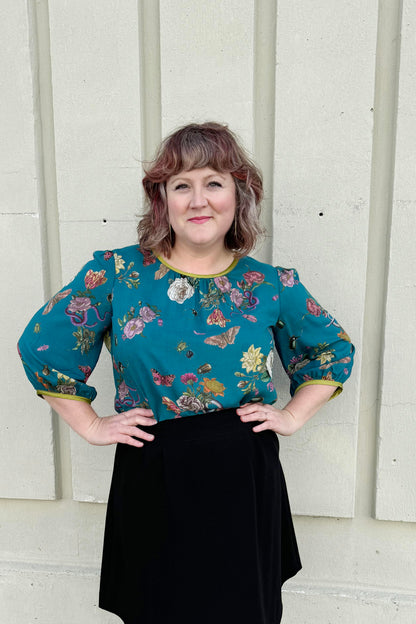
[79,415]
[307,401]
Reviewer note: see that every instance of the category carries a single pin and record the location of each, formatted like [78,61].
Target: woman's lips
[199,219]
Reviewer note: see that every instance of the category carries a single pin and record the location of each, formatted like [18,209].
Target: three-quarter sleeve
[313,347]
[61,344]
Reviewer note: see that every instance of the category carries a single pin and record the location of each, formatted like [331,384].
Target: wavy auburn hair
[196,146]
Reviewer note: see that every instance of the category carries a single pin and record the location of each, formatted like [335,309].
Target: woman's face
[201,207]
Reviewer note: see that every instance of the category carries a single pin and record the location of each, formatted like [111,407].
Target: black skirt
[198,526]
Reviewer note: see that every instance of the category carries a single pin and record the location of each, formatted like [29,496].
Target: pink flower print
[236,297]
[160,322]
[270,386]
[43,348]
[171,405]
[148,257]
[79,304]
[250,318]
[87,370]
[93,279]
[252,277]
[108,255]
[287,277]
[313,307]
[275,297]
[133,327]
[123,390]
[217,318]
[188,378]
[147,314]
[223,283]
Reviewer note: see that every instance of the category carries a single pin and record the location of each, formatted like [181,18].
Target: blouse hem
[323,382]
[61,395]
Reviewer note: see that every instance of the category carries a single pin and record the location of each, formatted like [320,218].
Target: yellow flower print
[119,263]
[63,377]
[325,356]
[343,336]
[252,359]
[214,386]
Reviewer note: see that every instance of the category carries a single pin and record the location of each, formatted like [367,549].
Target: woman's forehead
[199,173]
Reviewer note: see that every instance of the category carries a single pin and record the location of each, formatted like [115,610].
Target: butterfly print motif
[162,380]
[55,299]
[224,339]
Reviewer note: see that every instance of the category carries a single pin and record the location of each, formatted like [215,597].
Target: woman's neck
[200,262]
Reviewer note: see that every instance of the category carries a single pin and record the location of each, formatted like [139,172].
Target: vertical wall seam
[38,16]
[380,218]
[264,81]
[150,77]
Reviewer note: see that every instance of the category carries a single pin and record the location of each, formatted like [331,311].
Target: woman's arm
[286,421]
[82,418]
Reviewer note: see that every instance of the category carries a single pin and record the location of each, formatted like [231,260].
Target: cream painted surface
[321,190]
[17,156]
[396,492]
[96,102]
[207,63]
[27,445]
[301,98]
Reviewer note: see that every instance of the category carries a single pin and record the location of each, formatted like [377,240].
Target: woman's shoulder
[248,263]
[130,253]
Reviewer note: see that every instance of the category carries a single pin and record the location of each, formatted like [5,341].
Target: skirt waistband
[210,424]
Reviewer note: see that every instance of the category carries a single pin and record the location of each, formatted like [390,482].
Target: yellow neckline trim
[227,270]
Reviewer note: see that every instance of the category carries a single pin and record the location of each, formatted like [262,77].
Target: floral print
[214,386]
[133,323]
[133,327]
[199,395]
[217,318]
[180,290]
[168,333]
[313,307]
[93,279]
[287,277]
[223,283]
[256,363]
[252,359]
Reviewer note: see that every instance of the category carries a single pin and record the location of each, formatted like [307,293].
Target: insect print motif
[162,380]
[224,339]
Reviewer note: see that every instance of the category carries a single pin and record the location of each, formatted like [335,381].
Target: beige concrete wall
[322,93]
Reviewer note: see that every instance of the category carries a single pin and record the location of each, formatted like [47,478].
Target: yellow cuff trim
[60,395]
[323,382]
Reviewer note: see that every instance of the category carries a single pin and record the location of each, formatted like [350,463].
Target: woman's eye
[178,187]
[215,183]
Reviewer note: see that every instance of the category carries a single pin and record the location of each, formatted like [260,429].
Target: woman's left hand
[278,420]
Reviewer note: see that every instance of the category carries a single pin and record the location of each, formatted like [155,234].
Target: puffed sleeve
[313,347]
[61,344]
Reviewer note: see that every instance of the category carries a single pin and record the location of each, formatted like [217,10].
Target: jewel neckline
[211,275]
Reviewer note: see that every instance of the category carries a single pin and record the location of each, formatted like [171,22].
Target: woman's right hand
[124,427]
[121,428]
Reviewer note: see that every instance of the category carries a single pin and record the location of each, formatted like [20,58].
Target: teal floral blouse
[182,344]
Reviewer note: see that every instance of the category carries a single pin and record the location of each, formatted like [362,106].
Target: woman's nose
[198,199]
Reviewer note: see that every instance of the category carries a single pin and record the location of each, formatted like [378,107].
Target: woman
[198,523]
